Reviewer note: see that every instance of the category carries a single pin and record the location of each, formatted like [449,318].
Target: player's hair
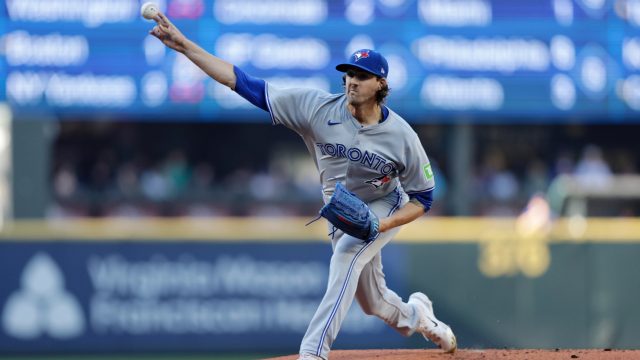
[381,95]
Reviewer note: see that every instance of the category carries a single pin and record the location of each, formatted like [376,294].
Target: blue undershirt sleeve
[251,88]
[425,198]
[385,113]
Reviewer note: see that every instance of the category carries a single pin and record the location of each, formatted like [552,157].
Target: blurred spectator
[65,181]
[536,178]
[127,180]
[592,170]
[108,170]
[203,176]
[563,164]
[155,185]
[177,172]
[266,186]
[499,185]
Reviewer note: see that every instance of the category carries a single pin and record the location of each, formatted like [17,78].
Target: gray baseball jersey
[376,163]
[370,161]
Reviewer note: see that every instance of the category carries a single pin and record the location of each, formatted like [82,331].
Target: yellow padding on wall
[425,230]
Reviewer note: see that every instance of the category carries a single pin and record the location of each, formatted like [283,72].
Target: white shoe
[309,357]
[429,326]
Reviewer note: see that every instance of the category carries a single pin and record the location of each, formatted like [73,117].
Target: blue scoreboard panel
[479,60]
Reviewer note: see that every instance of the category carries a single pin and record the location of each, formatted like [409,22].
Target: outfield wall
[253,284]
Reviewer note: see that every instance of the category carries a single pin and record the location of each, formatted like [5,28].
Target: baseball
[148,10]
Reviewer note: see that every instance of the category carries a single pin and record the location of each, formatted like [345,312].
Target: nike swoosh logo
[435,324]
[331,122]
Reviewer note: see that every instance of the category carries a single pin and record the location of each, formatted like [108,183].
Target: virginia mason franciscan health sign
[77,296]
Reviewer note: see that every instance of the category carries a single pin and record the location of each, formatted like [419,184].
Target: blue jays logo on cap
[361,54]
[368,60]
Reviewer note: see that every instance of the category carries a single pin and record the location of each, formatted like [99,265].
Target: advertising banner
[212,296]
[194,296]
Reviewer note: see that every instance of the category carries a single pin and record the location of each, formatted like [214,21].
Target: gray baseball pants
[356,271]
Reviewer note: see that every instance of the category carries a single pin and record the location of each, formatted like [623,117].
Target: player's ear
[382,83]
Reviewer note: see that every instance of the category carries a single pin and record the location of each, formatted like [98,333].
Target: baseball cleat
[429,326]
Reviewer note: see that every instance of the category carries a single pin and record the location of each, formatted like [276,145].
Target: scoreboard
[478,60]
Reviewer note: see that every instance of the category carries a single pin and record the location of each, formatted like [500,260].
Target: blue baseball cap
[368,60]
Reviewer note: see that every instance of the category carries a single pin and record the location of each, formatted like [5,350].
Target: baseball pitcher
[375,177]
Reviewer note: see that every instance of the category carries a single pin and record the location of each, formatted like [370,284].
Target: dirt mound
[486,354]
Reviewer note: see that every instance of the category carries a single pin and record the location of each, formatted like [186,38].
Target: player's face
[361,87]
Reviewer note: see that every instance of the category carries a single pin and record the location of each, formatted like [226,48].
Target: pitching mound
[488,354]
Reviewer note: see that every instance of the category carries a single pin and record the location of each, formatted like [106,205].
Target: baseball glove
[351,215]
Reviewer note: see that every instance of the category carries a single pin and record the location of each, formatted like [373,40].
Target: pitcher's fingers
[164,20]
[156,17]
[156,32]
[164,28]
